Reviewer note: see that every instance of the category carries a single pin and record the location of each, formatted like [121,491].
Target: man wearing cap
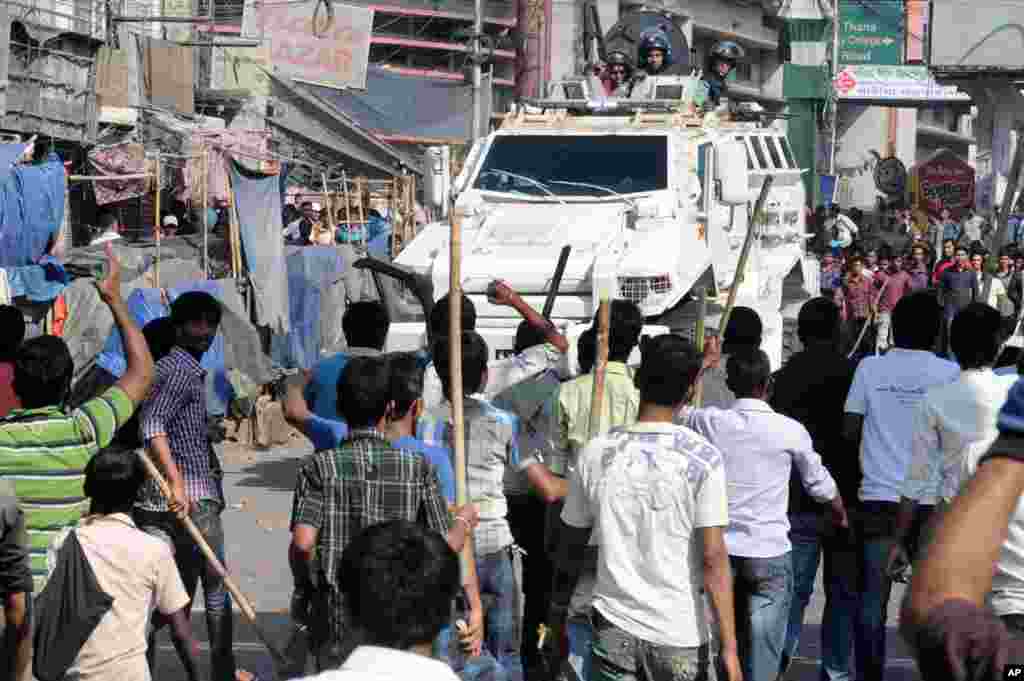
[169,227]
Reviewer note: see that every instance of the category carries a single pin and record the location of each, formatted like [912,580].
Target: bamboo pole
[600,367]
[158,227]
[699,332]
[100,178]
[348,203]
[741,264]
[466,560]
[244,604]
[206,212]
[329,208]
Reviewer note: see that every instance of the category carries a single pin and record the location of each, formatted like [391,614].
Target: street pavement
[258,485]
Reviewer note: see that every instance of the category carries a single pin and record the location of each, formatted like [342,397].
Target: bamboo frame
[157,223]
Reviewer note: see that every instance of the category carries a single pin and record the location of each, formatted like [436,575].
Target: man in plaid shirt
[365,481]
[172,423]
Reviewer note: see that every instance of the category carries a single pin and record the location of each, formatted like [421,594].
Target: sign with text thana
[871,32]
[320,50]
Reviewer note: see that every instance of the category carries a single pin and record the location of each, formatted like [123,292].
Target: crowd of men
[681,540]
[867,277]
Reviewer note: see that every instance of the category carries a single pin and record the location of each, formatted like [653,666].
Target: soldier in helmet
[617,75]
[655,53]
[722,60]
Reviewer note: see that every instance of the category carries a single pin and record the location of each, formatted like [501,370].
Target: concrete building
[981,51]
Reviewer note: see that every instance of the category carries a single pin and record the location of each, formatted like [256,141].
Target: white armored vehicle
[652,205]
[652,197]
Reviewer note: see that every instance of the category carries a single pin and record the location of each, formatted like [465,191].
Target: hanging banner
[946,181]
[328,50]
[894,84]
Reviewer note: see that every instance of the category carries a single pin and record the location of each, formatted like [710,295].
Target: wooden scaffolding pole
[157,226]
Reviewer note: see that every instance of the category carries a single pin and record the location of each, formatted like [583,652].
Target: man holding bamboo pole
[654,494]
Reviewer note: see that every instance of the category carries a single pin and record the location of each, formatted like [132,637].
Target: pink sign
[332,53]
[946,182]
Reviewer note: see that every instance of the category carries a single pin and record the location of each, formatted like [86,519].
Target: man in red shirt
[892,284]
[856,300]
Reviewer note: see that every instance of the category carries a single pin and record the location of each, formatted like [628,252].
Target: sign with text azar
[893,83]
[333,53]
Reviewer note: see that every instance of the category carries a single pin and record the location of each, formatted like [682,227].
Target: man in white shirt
[137,570]
[508,371]
[880,408]
[654,494]
[743,334]
[398,581]
[1006,598]
[953,422]
[760,447]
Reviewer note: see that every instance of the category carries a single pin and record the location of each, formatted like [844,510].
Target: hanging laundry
[258,205]
[120,159]
[31,207]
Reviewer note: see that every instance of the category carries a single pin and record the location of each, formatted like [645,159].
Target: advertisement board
[894,83]
[332,52]
[945,181]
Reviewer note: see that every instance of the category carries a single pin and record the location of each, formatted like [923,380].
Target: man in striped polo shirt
[44,447]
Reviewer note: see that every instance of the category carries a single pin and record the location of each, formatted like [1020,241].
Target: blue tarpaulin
[145,305]
[312,271]
[38,283]
[31,206]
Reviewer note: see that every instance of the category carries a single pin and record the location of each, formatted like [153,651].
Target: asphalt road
[258,485]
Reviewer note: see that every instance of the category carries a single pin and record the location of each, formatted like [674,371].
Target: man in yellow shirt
[570,409]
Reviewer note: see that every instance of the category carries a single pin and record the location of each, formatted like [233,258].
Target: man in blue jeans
[812,389]
[760,448]
[880,409]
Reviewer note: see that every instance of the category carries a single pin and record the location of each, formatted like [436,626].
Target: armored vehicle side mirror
[732,173]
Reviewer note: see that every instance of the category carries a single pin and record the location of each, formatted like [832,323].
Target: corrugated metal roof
[436,109]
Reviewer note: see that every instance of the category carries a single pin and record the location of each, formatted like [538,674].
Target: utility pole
[833,96]
[478,28]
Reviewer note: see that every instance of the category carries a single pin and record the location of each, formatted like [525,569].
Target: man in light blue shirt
[760,447]
[365,325]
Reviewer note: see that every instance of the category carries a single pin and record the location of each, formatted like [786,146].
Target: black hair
[364,390]
[113,478]
[625,324]
[194,306]
[976,335]
[474,362]
[744,328]
[43,370]
[915,321]
[668,368]
[406,381]
[398,580]
[305,204]
[440,320]
[107,220]
[586,350]
[160,337]
[747,372]
[366,325]
[818,320]
[12,319]
[528,335]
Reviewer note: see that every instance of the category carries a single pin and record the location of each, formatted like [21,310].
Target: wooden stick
[348,203]
[699,332]
[466,560]
[329,208]
[600,367]
[157,226]
[244,604]
[206,211]
[741,264]
[99,178]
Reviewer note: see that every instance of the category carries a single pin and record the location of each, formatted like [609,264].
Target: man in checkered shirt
[172,423]
[364,481]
